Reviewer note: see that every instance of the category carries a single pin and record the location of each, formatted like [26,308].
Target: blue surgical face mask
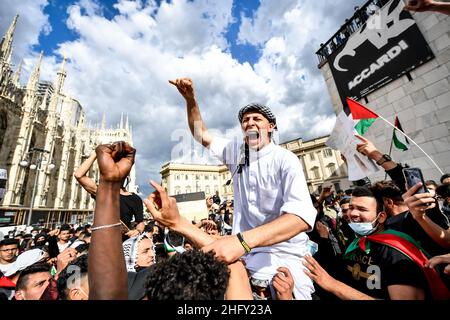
[363,228]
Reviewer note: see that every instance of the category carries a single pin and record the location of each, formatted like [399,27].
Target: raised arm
[325,193]
[367,148]
[418,205]
[195,121]
[164,209]
[428,5]
[392,168]
[107,273]
[80,174]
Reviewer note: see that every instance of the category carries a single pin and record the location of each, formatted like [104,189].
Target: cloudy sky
[121,54]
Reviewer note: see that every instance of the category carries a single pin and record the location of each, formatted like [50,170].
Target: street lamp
[35,166]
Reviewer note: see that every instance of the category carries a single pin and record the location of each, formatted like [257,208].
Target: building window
[214,177]
[187,177]
[206,177]
[327,153]
[197,187]
[177,190]
[332,169]
[312,157]
[207,190]
[315,172]
[197,177]
[177,177]
[188,189]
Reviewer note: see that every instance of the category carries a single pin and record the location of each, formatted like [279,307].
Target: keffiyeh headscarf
[130,251]
[264,110]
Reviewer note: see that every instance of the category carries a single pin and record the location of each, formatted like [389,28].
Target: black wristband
[243,243]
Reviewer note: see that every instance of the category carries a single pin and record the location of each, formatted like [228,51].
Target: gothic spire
[6,44]
[61,77]
[104,121]
[34,76]
[16,78]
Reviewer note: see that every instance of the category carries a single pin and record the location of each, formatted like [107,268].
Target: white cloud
[123,64]
[289,32]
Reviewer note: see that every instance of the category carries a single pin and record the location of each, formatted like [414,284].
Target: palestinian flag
[365,116]
[400,141]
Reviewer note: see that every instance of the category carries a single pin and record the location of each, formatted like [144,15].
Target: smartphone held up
[414,176]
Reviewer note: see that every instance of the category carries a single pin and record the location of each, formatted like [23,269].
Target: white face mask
[363,228]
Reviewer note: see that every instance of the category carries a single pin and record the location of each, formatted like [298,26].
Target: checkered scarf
[130,251]
[264,110]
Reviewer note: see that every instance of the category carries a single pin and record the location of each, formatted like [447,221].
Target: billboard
[192,206]
[386,47]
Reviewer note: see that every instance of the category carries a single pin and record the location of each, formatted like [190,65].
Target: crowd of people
[273,241]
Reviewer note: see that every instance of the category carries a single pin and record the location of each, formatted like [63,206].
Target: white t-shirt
[272,184]
[5,267]
[63,247]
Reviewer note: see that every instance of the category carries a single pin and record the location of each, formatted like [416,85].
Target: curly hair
[82,263]
[192,275]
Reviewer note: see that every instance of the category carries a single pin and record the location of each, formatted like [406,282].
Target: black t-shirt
[131,205]
[404,222]
[389,265]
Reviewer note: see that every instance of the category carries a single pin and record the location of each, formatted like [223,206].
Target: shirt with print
[372,273]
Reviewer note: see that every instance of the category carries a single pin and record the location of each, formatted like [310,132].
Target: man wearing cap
[272,206]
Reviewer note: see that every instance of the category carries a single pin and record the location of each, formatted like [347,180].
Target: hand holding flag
[365,116]
[360,112]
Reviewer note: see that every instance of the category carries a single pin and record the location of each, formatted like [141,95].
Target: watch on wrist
[384,158]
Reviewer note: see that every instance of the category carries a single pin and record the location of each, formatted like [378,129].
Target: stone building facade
[43,131]
[420,98]
[321,165]
[181,178]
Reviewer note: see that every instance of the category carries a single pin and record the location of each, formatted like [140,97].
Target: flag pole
[432,161]
[390,150]
[393,126]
